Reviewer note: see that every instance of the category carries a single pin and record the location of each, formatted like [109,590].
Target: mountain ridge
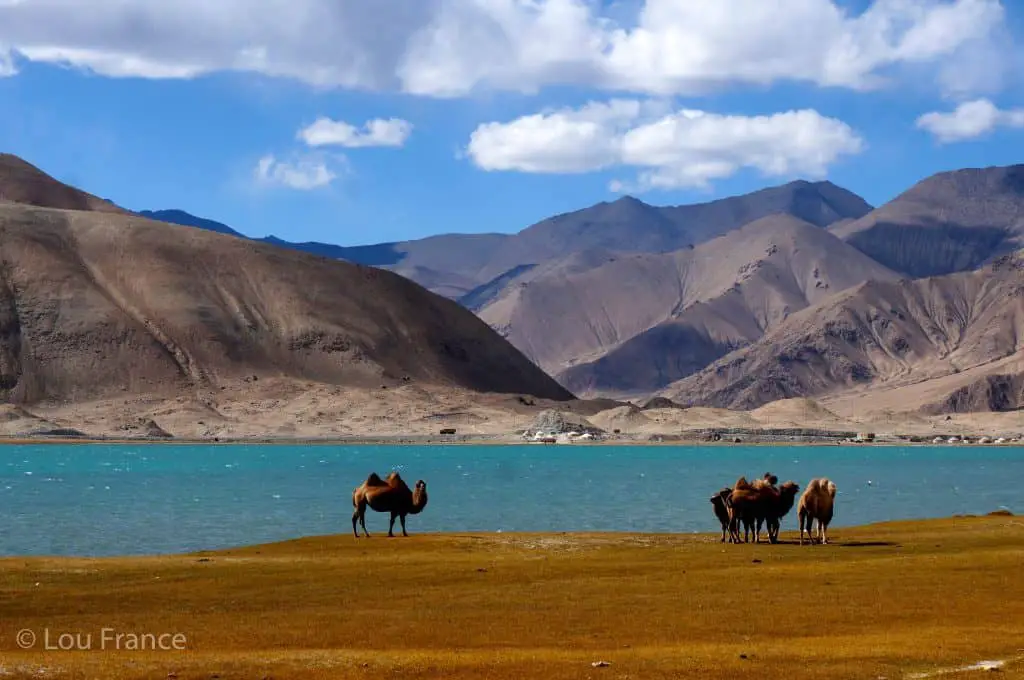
[894,334]
[99,302]
[460,263]
[665,315]
[948,222]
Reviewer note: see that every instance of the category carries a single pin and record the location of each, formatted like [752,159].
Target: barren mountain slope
[880,337]
[96,304]
[632,225]
[452,280]
[952,221]
[22,182]
[659,317]
[495,293]
[456,264]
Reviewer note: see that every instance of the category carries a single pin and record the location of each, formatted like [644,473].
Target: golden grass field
[885,601]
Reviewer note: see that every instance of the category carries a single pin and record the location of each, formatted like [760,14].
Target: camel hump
[393,476]
[742,483]
[831,486]
[374,480]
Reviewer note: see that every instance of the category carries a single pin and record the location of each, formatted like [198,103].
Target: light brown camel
[720,503]
[816,503]
[387,495]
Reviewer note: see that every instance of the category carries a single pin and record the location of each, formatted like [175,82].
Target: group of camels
[757,504]
[763,503]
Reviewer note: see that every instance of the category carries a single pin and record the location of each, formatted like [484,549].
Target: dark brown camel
[387,495]
[720,504]
[757,503]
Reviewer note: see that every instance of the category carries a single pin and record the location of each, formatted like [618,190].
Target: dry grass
[886,600]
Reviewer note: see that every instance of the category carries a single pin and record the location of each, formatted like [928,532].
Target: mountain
[949,222]
[22,182]
[629,224]
[96,303]
[375,255]
[607,323]
[934,343]
[457,264]
[188,220]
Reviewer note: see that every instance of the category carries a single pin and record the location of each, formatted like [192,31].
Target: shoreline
[788,538]
[761,438]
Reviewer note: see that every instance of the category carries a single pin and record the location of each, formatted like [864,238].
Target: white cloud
[300,172]
[7,65]
[451,47]
[969,120]
[378,132]
[685,148]
[563,141]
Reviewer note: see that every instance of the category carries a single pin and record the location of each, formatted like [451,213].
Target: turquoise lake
[127,499]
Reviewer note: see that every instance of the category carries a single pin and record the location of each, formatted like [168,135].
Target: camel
[743,502]
[783,504]
[759,502]
[720,503]
[817,503]
[387,495]
[768,481]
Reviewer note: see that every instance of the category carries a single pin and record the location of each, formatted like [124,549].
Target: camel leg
[358,515]
[402,519]
[391,527]
[800,520]
[824,534]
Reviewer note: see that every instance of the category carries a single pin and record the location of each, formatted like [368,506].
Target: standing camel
[387,495]
[720,504]
[816,503]
[759,503]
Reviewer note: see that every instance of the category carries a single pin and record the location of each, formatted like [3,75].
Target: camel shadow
[833,543]
[867,544]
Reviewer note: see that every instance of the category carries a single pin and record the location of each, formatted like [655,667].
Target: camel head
[419,497]
[722,497]
[770,478]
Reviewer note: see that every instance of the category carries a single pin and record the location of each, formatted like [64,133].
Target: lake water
[138,499]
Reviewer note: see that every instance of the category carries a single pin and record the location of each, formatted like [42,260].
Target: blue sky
[497,113]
